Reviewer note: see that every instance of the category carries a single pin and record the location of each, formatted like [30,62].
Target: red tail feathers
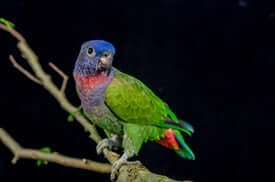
[169,140]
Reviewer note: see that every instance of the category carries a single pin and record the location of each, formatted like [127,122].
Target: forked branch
[23,70]
[44,79]
[62,74]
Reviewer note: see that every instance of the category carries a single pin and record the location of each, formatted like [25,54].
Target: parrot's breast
[91,89]
[88,83]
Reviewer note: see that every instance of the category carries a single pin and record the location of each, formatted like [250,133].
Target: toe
[114,175]
[101,145]
[114,172]
[115,169]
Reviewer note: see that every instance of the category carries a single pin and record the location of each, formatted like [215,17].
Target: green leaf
[46,150]
[70,118]
[8,23]
[40,162]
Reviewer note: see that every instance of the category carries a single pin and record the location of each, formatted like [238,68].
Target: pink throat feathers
[86,83]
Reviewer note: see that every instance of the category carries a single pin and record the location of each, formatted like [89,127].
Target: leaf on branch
[70,118]
[46,150]
[8,23]
[41,161]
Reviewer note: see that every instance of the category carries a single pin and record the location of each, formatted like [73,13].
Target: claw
[120,162]
[101,145]
[110,143]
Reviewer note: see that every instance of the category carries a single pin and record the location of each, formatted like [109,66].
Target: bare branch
[20,152]
[47,83]
[23,70]
[62,74]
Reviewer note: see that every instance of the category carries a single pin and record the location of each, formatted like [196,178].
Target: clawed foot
[117,165]
[111,143]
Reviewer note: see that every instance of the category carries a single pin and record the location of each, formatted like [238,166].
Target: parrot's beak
[104,65]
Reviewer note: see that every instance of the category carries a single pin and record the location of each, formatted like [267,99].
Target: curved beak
[104,64]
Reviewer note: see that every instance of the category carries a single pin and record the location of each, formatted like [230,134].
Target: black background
[212,61]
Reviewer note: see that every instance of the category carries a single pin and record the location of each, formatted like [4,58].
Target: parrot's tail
[175,141]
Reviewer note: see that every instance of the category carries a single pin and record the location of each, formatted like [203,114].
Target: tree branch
[62,74]
[46,82]
[131,173]
[13,32]
[61,98]
[20,152]
[23,70]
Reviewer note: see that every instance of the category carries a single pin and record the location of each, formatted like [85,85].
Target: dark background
[211,60]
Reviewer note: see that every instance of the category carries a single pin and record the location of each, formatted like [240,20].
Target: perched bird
[126,109]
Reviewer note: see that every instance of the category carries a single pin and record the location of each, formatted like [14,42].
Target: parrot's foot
[120,162]
[111,143]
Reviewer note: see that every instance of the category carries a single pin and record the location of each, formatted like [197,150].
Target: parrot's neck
[92,87]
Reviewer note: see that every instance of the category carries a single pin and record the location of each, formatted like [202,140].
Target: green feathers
[133,102]
[135,135]
[185,151]
[174,123]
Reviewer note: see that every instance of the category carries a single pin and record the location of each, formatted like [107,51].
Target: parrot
[129,112]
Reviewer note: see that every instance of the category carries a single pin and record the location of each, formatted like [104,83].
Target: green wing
[133,102]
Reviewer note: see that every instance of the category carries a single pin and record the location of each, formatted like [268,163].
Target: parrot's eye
[90,51]
[106,54]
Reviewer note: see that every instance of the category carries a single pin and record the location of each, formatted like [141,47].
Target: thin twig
[24,71]
[13,32]
[62,74]
[20,152]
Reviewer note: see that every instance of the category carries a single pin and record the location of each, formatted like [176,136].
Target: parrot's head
[96,56]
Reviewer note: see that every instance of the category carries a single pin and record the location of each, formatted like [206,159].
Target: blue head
[95,56]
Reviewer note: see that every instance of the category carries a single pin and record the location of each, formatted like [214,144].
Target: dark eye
[106,54]
[90,51]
